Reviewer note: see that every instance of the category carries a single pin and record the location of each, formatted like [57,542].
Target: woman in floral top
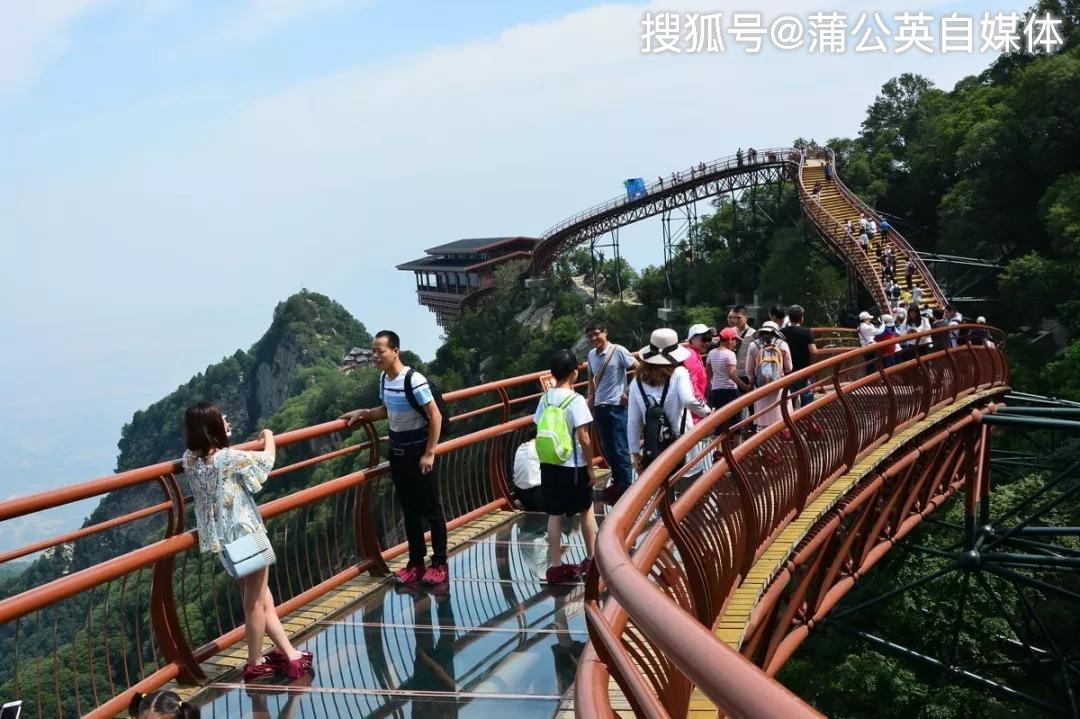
[222,481]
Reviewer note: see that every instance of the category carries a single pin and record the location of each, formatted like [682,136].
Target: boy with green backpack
[566,465]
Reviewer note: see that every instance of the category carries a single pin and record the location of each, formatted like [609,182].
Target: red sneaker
[562,574]
[437,574]
[277,659]
[297,667]
[258,672]
[411,574]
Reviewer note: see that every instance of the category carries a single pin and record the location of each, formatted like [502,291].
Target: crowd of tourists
[913,320]
[640,402]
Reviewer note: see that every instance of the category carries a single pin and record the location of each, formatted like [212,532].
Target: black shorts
[718,398]
[564,490]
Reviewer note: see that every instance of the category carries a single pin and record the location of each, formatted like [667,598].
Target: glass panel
[496,639]
[294,703]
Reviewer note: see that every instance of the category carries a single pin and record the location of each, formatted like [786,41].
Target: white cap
[769,326]
[887,320]
[981,320]
[864,315]
[699,329]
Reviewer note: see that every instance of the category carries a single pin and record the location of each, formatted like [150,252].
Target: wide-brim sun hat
[887,320]
[664,348]
[769,326]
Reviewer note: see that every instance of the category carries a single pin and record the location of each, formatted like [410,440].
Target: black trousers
[420,498]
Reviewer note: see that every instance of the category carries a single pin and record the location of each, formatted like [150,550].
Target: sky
[170,170]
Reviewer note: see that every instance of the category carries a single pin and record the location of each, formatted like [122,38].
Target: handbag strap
[595,379]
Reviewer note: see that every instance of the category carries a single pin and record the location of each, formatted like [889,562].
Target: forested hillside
[297,358]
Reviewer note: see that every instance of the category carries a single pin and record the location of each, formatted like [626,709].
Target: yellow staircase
[834,204]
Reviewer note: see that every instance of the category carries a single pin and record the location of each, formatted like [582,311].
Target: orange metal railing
[906,251]
[83,642]
[655,633]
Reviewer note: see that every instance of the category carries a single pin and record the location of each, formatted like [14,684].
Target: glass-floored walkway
[497,642]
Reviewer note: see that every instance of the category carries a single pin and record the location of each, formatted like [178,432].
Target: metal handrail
[911,255]
[737,687]
[161,557]
[832,230]
[724,164]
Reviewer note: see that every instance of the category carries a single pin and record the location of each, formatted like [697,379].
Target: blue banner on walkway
[635,188]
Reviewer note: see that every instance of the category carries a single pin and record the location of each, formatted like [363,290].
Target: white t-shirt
[577,415]
[923,326]
[679,403]
[407,426]
[527,466]
[867,332]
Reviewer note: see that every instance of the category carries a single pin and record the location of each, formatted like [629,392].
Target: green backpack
[554,438]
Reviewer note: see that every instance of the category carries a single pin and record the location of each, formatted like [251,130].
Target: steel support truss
[1021,558]
[673,196]
[597,246]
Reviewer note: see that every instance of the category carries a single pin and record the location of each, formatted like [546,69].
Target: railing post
[164,621]
[367,543]
[851,441]
[691,555]
[746,506]
[890,391]
[955,371]
[924,378]
[364,538]
[500,487]
[976,377]
[802,452]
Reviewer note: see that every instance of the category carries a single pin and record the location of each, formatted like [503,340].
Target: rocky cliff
[309,332]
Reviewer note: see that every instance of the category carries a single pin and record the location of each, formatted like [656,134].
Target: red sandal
[258,672]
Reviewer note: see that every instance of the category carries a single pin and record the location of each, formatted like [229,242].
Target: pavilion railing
[668,583]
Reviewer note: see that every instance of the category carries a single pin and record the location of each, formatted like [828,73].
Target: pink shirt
[698,378]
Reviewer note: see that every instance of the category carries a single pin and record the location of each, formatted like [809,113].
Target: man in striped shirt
[413,438]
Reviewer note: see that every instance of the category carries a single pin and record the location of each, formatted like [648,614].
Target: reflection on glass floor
[497,640]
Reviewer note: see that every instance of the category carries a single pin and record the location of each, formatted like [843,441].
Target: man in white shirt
[527,476]
[867,330]
[955,318]
[414,434]
[737,318]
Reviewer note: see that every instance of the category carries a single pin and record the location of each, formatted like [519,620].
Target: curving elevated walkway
[738,172]
[702,588]
[752,554]
[831,213]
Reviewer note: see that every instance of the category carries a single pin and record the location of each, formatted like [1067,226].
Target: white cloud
[262,17]
[33,32]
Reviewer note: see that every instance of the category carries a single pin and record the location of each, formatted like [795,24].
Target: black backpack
[658,432]
[435,394]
